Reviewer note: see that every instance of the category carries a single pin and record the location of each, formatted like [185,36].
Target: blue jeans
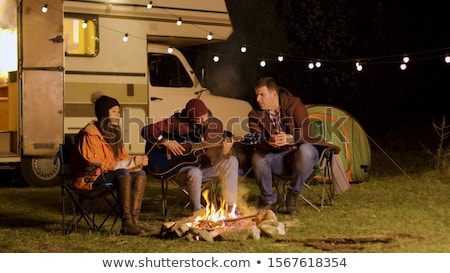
[191,178]
[297,163]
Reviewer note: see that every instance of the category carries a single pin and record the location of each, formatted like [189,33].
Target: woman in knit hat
[195,123]
[101,142]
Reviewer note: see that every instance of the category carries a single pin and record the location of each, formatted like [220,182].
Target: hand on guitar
[227,145]
[174,147]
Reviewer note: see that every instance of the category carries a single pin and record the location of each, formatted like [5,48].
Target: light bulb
[406,59]
[262,63]
[150,5]
[209,37]
[243,49]
[318,64]
[311,65]
[125,37]
[84,24]
[179,21]
[280,58]
[216,58]
[447,59]
[403,66]
[45,8]
[170,49]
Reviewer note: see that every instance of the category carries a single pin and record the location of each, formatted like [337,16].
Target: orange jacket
[90,148]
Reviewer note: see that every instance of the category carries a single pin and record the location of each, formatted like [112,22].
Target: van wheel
[40,171]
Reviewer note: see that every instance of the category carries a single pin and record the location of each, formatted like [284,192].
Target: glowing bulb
[84,24]
[359,66]
[406,59]
[280,58]
[150,5]
[170,49]
[209,37]
[216,58]
[243,49]
[179,21]
[403,66]
[318,64]
[125,37]
[310,65]
[45,8]
[262,63]
[447,59]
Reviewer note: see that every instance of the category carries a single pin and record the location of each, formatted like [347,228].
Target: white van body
[55,88]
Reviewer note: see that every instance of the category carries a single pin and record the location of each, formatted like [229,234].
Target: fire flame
[213,214]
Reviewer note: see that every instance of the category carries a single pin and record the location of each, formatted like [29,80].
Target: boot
[137,195]
[291,203]
[124,196]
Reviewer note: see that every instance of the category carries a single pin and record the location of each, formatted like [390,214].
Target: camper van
[126,49]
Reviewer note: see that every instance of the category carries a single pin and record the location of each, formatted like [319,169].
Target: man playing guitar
[168,156]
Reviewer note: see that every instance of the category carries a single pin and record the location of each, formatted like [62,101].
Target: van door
[42,77]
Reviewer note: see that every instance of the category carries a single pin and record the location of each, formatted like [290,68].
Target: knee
[232,163]
[122,172]
[194,176]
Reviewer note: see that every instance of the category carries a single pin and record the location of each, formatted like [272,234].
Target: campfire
[221,222]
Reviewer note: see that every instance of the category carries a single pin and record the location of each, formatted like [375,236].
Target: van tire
[39,171]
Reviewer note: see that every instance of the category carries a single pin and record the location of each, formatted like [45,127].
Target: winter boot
[124,195]
[292,203]
[137,195]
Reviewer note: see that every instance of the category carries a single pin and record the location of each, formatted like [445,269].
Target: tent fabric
[340,128]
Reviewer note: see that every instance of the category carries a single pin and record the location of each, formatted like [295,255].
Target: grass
[411,210]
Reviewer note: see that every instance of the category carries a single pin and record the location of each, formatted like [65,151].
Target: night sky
[394,106]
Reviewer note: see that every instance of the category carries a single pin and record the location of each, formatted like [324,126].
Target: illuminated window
[8,52]
[80,35]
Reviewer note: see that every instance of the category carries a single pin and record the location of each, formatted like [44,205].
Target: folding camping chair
[86,204]
[207,184]
[318,190]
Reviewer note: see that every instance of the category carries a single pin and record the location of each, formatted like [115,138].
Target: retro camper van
[127,49]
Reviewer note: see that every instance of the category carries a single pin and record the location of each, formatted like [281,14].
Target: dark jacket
[178,127]
[295,120]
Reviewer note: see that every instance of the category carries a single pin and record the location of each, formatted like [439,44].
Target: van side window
[81,35]
[167,71]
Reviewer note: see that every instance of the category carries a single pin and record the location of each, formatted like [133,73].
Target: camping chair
[85,203]
[210,184]
[318,190]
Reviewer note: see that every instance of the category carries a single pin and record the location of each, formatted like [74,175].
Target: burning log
[236,229]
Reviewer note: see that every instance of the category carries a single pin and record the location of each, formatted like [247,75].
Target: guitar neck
[204,145]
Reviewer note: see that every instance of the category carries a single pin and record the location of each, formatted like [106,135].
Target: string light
[403,66]
[170,50]
[262,63]
[447,59]
[84,24]
[44,8]
[209,37]
[318,64]
[216,58]
[311,65]
[125,37]
[358,66]
[150,5]
[280,58]
[243,48]
[179,21]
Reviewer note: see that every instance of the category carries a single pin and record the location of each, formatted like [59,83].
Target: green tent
[340,128]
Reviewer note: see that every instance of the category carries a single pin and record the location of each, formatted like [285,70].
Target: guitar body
[164,164]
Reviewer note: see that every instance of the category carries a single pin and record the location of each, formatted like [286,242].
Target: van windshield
[167,71]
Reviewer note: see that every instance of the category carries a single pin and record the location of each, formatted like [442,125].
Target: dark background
[395,107]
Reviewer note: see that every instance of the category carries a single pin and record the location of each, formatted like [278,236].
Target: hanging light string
[313,62]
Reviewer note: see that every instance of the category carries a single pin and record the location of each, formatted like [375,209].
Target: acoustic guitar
[164,164]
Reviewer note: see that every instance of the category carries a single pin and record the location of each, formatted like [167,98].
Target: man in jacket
[195,123]
[288,148]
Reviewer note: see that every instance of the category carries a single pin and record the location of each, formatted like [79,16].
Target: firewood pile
[262,224]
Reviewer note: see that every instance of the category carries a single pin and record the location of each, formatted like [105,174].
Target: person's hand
[280,140]
[174,147]
[141,160]
[227,145]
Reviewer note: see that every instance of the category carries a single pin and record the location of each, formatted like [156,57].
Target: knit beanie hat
[195,108]
[103,104]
